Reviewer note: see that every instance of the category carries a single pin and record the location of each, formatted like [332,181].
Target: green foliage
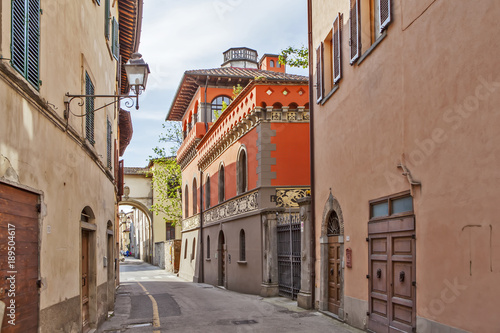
[237,90]
[295,57]
[166,175]
[166,181]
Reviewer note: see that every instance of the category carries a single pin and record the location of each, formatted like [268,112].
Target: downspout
[311,139]
[206,105]
[201,278]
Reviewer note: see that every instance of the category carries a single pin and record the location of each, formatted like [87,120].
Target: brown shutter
[120,179]
[319,73]
[354,30]
[385,14]
[336,50]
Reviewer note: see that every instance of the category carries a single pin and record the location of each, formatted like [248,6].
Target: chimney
[270,62]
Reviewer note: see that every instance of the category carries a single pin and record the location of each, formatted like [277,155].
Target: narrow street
[152,300]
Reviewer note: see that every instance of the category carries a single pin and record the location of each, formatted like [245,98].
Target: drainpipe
[311,139]
[206,105]
[201,278]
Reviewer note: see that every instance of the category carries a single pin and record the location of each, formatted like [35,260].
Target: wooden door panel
[334,275]
[402,276]
[19,226]
[392,272]
[379,276]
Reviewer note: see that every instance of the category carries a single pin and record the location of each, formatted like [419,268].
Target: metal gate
[289,254]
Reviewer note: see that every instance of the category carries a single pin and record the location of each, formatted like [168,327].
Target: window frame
[337,48]
[389,199]
[222,187]
[218,107]
[186,201]
[208,247]
[195,196]
[242,171]
[207,191]
[242,245]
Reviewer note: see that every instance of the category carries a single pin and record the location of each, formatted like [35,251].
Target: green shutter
[25,46]
[115,47]
[106,19]
[89,109]
[33,42]
[108,146]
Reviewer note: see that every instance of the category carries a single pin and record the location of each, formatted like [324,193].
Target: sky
[192,34]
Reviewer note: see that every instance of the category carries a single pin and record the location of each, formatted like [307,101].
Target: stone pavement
[150,299]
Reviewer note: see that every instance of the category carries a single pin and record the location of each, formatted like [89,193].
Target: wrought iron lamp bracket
[68,98]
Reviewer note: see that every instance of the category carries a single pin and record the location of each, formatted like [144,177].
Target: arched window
[87,215]
[207,192]
[194,248]
[221,184]
[242,245]
[271,63]
[186,202]
[241,172]
[195,197]
[217,105]
[208,247]
[186,249]
[333,224]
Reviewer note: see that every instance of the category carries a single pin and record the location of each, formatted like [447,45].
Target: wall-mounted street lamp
[137,74]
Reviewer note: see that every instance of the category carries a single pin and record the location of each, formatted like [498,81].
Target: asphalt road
[152,300]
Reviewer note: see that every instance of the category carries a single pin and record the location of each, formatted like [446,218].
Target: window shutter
[33,42]
[107,18]
[108,143]
[115,42]
[337,74]
[18,35]
[25,39]
[89,109]
[121,178]
[385,14]
[354,31]
[319,73]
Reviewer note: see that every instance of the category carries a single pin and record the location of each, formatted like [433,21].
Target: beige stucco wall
[188,260]
[47,156]
[426,96]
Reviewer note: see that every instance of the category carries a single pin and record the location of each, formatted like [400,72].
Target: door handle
[84,280]
[402,276]
[331,271]
[379,273]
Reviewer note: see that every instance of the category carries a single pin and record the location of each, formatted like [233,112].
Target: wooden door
[392,276]
[19,259]
[85,281]
[334,274]
[221,249]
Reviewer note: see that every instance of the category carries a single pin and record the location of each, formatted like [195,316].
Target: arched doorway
[221,254]
[88,266]
[141,231]
[332,256]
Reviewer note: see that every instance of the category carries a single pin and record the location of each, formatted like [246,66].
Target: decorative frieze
[285,218]
[232,208]
[287,197]
[191,223]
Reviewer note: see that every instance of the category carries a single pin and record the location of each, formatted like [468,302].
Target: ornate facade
[236,162]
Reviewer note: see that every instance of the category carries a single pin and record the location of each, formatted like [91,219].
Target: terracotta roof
[130,21]
[135,170]
[250,73]
[125,128]
[193,79]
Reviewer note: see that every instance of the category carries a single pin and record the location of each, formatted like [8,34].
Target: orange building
[242,167]
[406,128]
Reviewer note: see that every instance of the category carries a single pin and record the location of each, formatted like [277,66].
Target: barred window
[242,245]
